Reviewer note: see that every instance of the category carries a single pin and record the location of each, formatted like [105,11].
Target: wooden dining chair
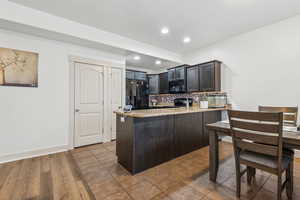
[290,114]
[257,142]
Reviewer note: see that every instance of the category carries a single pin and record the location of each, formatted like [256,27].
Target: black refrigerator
[137,94]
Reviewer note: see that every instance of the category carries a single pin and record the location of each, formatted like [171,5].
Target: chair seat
[265,160]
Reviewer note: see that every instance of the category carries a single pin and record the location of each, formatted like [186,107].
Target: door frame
[107,65]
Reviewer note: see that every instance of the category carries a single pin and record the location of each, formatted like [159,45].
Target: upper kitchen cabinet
[177,79]
[163,83]
[129,74]
[141,76]
[153,82]
[136,75]
[192,79]
[210,76]
[177,73]
[171,74]
[180,73]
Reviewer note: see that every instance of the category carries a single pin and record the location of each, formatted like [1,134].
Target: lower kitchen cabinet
[154,141]
[143,143]
[188,133]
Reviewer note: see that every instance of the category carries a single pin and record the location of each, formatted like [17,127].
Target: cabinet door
[141,76]
[192,79]
[163,83]
[188,131]
[179,73]
[129,74]
[207,77]
[208,118]
[154,142]
[153,81]
[171,74]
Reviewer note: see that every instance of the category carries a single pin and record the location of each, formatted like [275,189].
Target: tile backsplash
[169,98]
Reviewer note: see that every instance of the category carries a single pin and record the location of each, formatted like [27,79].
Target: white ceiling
[205,21]
[148,62]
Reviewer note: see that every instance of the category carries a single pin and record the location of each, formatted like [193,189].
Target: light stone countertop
[166,111]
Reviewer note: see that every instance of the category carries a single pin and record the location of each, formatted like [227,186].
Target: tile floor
[92,172]
[185,178]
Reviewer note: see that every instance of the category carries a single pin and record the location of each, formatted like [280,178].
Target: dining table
[291,140]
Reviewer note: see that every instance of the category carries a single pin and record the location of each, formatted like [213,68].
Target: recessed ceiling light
[164,30]
[187,40]
[158,62]
[136,57]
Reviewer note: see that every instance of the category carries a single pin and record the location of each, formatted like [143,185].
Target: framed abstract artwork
[18,68]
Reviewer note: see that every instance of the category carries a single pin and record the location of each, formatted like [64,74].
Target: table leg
[213,155]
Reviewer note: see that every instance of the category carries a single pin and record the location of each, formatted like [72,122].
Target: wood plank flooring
[92,172]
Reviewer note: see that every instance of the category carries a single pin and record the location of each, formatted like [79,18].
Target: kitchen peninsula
[146,138]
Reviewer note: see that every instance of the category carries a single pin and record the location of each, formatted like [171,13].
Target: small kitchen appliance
[217,100]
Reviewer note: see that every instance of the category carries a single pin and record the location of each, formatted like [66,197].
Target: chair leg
[238,181]
[289,186]
[279,187]
[292,174]
[249,175]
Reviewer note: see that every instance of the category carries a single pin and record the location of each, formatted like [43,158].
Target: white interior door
[116,96]
[89,101]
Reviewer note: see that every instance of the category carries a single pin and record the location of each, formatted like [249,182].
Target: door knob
[77,110]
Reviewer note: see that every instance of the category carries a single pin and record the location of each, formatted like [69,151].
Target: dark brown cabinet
[188,133]
[153,83]
[180,73]
[154,141]
[204,77]
[143,143]
[177,79]
[146,142]
[136,75]
[141,76]
[177,73]
[192,79]
[171,74]
[163,83]
[210,76]
[129,74]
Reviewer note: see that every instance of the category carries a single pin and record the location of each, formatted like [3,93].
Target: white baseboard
[228,139]
[34,153]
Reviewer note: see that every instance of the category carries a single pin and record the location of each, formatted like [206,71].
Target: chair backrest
[290,114]
[259,132]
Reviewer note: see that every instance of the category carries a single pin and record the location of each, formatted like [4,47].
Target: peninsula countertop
[166,111]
